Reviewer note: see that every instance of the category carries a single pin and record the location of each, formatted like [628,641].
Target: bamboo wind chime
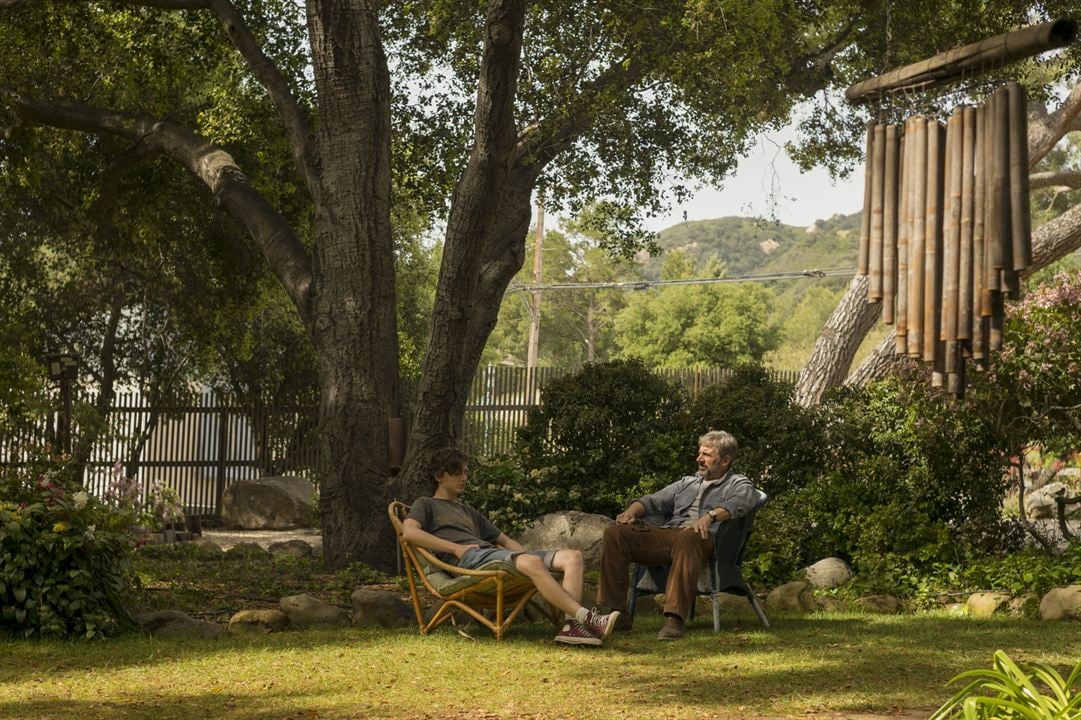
[946,229]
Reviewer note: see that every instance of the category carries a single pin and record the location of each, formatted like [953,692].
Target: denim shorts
[474,558]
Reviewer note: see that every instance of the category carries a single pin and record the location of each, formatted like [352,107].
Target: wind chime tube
[865,218]
[991,222]
[889,225]
[1020,213]
[978,272]
[915,243]
[951,239]
[964,281]
[900,335]
[932,238]
[1003,250]
[878,179]
[994,336]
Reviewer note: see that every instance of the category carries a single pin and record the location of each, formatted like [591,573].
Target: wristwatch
[711,513]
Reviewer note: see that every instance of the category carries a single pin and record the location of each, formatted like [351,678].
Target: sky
[768,184]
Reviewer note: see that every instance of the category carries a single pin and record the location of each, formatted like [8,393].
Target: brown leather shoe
[672,630]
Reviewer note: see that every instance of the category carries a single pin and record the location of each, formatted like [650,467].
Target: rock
[569,529]
[291,548]
[246,549]
[886,604]
[1062,603]
[269,503]
[731,606]
[380,608]
[304,611]
[986,604]
[1040,503]
[173,623]
[828,573]
[263,621]
[1024,605]
[830,603]
[793,597]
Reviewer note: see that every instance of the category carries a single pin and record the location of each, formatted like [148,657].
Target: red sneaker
[574,633]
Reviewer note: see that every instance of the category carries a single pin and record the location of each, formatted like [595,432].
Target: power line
[646,284]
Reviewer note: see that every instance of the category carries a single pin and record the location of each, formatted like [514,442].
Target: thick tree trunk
[353,322]
[837,344]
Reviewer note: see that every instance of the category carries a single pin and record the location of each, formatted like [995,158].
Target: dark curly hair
[446,460]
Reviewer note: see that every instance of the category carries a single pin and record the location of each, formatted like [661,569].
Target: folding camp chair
[498,586]
[722,574]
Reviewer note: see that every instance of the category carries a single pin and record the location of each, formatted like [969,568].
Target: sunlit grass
[819,665]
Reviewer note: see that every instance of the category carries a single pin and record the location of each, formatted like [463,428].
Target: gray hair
[720,441]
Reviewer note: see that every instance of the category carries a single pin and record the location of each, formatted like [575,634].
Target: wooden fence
[202,447]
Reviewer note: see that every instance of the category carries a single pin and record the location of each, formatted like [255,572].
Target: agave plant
[1009,691]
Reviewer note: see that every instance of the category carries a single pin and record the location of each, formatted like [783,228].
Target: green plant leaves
[1013,691]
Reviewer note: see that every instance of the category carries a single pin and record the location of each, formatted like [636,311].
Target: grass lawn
[827,665]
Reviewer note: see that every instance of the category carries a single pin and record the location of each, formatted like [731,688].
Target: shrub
[906,471]
[65,557]
[603,436]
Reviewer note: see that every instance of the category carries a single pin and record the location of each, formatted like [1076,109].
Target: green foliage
[602,435]
[1014,691]
[1028,570]
[64,556]
[714,325]
[500,488]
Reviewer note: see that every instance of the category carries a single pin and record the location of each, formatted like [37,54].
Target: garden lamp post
[63,368]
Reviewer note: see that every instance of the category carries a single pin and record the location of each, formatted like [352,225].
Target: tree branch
[215,167]
[289,110]
[1046,129]
[1066,178]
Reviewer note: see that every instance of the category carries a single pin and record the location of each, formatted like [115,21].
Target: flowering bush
[1036,378]
[64,555]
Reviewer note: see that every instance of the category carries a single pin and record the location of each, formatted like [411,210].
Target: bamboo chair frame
[495,590]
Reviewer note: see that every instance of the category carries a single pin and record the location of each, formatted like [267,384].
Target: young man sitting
[460,535]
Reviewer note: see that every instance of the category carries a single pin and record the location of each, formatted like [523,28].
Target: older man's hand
[701,526]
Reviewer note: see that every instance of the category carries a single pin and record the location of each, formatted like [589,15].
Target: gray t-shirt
[454,522]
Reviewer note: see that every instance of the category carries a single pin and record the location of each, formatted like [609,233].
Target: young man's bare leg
[583,626]
[569,562]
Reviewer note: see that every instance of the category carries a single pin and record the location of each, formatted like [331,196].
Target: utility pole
[534,310]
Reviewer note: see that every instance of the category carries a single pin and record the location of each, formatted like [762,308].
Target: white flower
[80,499]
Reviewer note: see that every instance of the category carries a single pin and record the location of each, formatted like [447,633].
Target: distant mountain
[751,247]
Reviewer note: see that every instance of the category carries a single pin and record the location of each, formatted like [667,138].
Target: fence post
[223,451]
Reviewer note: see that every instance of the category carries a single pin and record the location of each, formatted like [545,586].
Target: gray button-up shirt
[732,491]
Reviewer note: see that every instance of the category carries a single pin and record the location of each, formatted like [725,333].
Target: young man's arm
[414,533]
[508,544]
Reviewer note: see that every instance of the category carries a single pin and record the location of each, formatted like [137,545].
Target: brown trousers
[680,548]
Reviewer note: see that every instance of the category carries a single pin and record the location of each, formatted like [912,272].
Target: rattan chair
[722,574]
[498,587]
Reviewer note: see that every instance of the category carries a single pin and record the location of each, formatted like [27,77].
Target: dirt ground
[228,538]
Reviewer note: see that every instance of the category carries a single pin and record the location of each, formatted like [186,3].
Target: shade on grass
[821,664]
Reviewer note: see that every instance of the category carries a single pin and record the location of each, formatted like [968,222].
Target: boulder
[828,573]
[1024,605]
[269,503]
[831,603]
[731,606]
[245,550]
[986,604]
[792,597]
[886,604]
[173,623]
[304,611]
[569,529]
[1040,503]
[1062,603]
[380,608]
[291,548]
[262,621]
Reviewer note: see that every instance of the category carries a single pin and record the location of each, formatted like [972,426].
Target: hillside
[751,247]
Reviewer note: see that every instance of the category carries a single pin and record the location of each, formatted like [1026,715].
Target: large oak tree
[485,104]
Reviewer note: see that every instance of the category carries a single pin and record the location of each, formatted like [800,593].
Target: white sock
[582,615]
